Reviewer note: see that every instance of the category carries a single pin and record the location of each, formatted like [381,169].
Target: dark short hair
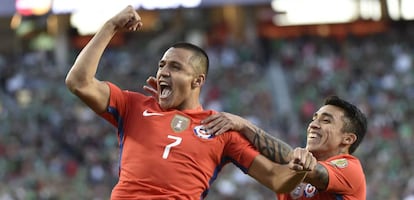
[355,122]
[199,59]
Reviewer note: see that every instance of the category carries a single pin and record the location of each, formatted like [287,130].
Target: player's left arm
[269,146]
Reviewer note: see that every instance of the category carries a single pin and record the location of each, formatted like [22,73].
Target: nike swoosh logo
[147,114]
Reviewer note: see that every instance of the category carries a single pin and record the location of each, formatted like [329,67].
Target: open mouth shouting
[165,90]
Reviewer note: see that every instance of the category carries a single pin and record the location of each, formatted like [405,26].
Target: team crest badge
[179,123]
[310,190]
[201,132]
[340,163]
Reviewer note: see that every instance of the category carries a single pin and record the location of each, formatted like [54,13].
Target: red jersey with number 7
[168,154]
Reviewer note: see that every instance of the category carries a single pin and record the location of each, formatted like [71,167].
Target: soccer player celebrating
[165,152]
[334,133]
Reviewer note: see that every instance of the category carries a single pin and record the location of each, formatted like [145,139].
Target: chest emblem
[179,123]
[201,132]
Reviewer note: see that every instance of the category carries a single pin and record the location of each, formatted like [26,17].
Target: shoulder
[346,166]
[235,140]
[345,174]
[117,91]
[344,161]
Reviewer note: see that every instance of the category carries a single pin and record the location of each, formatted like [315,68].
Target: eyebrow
[172,62]
[325,114]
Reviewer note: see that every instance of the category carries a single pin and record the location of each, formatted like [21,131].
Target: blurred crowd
[53,147]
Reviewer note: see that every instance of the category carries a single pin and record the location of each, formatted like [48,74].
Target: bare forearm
[277,177]
[86,64]
[287,181]
[269,146]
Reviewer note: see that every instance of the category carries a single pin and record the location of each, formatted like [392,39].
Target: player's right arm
[283,178]
[272,148]
[81,79]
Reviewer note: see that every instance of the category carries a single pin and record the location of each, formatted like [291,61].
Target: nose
[163,71]
[314,124]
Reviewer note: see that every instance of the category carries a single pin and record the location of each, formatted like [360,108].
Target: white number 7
[168,146]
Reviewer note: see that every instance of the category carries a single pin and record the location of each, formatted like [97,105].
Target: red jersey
[167,154]
[346,182]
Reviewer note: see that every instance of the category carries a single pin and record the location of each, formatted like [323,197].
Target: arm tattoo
[322,174]
[319,178]
[271,147]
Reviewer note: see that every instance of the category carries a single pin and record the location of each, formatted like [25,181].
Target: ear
[349,138]
[198,81]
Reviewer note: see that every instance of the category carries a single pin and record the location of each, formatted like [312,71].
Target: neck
[191,103]
[327,155]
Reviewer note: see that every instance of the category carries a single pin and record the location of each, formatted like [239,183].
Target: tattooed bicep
[319,177]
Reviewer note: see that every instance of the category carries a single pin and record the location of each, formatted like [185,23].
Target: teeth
[313,135]
[165,92]
[165,88]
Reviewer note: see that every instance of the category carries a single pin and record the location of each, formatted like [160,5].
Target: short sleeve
[117,105]
[345,175]
[240,151]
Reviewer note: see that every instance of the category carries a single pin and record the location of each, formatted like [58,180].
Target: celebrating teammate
[334,133]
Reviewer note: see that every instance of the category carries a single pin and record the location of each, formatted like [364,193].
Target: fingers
[134,22]
[209,119]
[216,124]
[296,167]
[151,81]
[213,123]
[306,163]
[220,128]
[151,88]
[151,91]
[127,19]
[302,160]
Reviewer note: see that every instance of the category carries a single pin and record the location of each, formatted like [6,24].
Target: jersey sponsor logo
[179,123]
[304,190]
[147,114]
[340,163]
[201,132]
[297,192]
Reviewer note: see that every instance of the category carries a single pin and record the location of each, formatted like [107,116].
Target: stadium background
[53,147]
